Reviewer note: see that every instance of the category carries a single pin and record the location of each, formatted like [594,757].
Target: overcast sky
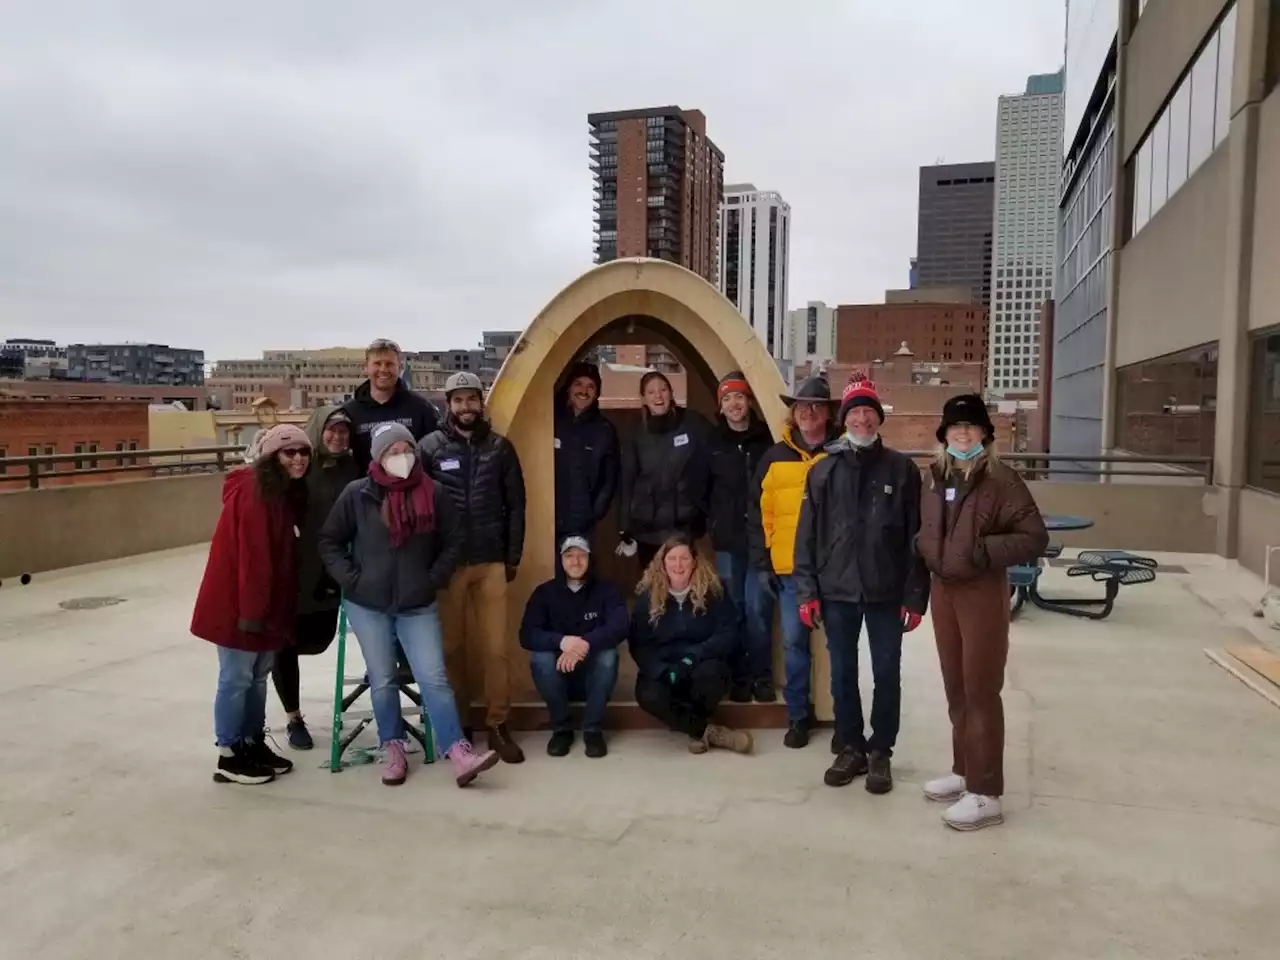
[243,176]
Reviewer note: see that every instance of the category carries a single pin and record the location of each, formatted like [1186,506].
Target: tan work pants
[473,613]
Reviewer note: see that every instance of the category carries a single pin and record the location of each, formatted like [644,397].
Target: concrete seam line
[1223,661]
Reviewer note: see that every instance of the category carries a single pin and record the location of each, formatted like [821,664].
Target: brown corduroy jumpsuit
[972,528]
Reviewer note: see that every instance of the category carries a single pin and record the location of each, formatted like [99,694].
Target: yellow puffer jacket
[775,503]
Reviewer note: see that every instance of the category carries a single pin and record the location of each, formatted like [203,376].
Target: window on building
[1226,67]
[133,445]
[79,448]
[1264,413]
[49,451]
[1166,406]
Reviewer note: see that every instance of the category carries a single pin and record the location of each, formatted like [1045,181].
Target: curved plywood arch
[664,302]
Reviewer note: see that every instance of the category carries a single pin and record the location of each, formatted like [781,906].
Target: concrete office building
[1028,165]
[755,250]
[659,181]
[811,335]
[953,232]
[135,363]
[1190,313]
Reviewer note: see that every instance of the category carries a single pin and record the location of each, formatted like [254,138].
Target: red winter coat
[249,592]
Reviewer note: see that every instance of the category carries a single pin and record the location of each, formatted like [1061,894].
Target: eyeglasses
[295,452]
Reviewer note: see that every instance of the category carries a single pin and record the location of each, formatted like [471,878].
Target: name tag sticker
[557,441]
[449,464]
[681,440]
[888,489]
[951,494]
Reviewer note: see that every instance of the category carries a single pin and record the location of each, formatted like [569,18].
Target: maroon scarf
[410,504]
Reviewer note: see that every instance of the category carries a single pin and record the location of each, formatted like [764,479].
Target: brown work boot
[726,738]
[500,742]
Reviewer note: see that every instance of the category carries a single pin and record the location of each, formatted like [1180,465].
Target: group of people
[415,527]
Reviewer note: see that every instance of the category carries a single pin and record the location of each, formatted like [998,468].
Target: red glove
[811,614]
[910,620]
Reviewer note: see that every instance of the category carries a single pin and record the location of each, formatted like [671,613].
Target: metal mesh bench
[1021,579]
[1112,568]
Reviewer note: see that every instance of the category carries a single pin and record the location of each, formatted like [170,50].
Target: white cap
[570,542]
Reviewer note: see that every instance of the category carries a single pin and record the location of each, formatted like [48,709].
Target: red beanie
[860,392]
[733,382]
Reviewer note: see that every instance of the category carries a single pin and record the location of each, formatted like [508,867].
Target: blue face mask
[861,441]
[965,454]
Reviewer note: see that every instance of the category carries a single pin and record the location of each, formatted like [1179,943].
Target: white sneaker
[973,812]
[946,789]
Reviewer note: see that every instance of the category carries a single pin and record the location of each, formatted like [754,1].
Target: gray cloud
[244,176]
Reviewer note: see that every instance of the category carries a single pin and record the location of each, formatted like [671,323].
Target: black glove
[512,570]
[768,582]
[680,672]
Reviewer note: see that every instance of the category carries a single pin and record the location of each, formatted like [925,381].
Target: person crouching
[391,543]
[977,519]
[572,627]
[683,630]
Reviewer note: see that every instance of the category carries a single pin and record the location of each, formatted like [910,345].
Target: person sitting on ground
[977,519]
[391,543]
[666,473]
[248,598]
[332,468]
[683,629]
[572,627]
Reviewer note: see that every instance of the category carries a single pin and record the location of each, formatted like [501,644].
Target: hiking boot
[467,764]
[299,735]
[263,755]
[836,746]
[698,745]
[847,765]
[946,789]
[239,767]
[879,773]
[762,691]
[559,744]
[973,811]
[500,742]
[726,738]
[396,766]
[797,735]
[740,692]
[593,740]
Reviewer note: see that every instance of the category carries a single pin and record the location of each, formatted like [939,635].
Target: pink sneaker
[395,767]
[467,764]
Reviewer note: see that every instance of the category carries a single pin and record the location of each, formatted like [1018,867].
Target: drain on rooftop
[90,603]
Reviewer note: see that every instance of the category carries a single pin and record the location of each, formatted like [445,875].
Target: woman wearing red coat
[248,597]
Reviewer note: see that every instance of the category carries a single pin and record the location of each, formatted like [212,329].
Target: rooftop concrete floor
[1143,814]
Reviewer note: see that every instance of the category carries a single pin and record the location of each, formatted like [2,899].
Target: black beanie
[966,408]
[583,368]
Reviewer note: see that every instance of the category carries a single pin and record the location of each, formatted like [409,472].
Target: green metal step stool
[342,702]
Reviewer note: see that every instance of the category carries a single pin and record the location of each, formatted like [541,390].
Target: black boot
[762,691]
[797,735]
[560,742]
[879,774]
[846,766]
[740,692]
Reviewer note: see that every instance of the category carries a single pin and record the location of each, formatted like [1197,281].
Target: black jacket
[666,476]
[586,468]
[355,545]
[858,525]
[734,462]
[413,410]
[328,476]
[596,613]
[481,474]
[681,633]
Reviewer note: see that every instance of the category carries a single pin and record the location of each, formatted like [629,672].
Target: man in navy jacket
[586,454]
[572,627]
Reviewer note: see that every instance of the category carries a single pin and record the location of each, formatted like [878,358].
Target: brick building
[937,332]
[193,398]
[30,428]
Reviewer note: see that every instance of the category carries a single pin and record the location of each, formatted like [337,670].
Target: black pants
[685,707]
[313,634]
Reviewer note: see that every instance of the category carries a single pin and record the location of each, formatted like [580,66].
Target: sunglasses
[295,452]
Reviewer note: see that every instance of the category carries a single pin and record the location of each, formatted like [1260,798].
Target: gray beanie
[384,435]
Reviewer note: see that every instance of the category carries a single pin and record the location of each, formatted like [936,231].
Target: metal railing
[1032,466]
[32,470]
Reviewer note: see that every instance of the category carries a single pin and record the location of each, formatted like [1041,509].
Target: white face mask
[862,441]
[399,465]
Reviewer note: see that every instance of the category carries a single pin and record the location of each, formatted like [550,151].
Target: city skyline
[403,173]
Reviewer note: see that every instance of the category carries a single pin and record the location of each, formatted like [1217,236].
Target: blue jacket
[586,468]
[681,633]
[596,613]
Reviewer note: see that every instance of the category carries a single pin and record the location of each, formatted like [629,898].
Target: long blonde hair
[705,582]
[949,465]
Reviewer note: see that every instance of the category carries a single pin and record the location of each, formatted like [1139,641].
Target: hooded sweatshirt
[411,409]
[595,611]
[326,479]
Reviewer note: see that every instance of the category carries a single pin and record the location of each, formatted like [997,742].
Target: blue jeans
[422,640]
[752,661]
[884,630]
[592,681]
[797,657]
[240,705]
